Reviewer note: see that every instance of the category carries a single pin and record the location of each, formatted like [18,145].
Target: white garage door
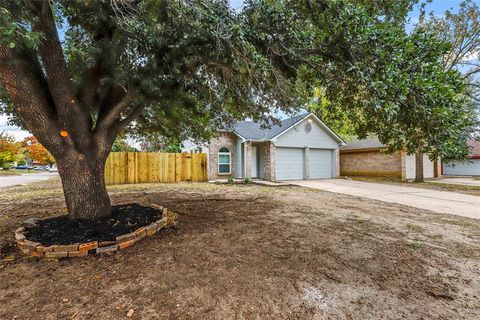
[471,168]
[321,163]
[289,163]
[428,167]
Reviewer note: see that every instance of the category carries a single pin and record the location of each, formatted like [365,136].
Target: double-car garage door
[470,168]
[291,164]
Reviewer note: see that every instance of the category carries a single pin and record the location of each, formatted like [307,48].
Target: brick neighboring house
[470,167]
[301,147]
[367,158]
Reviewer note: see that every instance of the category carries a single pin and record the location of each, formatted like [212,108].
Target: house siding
[222,139]
[238,159]
[296,137]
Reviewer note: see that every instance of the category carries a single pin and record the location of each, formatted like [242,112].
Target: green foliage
[332,115]
[10,150]
[195,65]
[230,179]
[392,84]
[121,145]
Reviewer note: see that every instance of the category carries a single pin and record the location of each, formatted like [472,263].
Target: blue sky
[438,7]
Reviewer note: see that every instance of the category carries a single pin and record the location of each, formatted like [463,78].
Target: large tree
[400,89]
[461,29]
[186,66]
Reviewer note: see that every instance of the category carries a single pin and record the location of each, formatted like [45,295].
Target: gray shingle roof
[254,131]
[368,143]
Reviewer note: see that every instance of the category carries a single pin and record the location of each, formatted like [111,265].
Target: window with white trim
[224,161]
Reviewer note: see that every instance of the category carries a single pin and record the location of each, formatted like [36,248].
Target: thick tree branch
[113,114]
[22,78]
[59,82]
[91,77]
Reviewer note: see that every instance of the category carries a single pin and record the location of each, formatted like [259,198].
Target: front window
[224,161]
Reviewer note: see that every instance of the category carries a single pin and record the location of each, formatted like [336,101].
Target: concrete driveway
[439,201]
[8,181]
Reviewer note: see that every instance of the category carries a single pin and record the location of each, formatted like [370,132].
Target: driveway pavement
[439,201]
[7,181]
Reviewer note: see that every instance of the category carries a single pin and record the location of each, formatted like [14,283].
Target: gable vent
[308,127]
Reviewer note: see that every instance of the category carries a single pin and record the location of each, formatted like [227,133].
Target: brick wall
[221,139]
[370,163]
[269,161]
[475,149]
[336,154]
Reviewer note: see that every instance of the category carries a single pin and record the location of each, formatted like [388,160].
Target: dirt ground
[250,252]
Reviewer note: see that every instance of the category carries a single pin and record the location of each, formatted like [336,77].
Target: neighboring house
[301,147]
[367,158]
[468,168]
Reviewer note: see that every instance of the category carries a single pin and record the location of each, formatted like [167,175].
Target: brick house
[470,167]
[301,147]
[367,158]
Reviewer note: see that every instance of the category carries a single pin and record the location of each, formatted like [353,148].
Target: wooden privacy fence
[143,167]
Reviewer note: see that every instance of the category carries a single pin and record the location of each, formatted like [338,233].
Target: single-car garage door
[470,168]
[289,163]
[321,164]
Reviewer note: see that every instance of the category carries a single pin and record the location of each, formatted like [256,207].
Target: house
[466,168]
[367,158]
[301,147]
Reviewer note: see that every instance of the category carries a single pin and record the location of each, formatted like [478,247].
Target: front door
[254,162]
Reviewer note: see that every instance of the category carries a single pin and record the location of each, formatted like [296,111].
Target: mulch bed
[62,230]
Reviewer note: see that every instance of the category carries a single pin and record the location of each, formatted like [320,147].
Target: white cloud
[471,56]
[18,133]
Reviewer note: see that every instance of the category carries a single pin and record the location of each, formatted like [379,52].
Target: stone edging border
[36,249]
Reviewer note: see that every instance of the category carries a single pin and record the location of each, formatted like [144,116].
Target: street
[24,179]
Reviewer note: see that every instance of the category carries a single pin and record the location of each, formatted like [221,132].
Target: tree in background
[121,145]
[462,31]
[37,152]
[332,115]
[159,143]
[398,89]
[10,150]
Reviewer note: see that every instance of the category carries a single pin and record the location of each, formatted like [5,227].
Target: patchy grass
[249,252]
[377,179]
[415,228]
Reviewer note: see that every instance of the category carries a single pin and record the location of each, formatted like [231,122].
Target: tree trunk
[419,167]
[84,186]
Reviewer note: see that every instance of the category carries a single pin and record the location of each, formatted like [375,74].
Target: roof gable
[251,130]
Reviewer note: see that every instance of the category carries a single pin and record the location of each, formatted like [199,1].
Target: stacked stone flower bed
[97,241]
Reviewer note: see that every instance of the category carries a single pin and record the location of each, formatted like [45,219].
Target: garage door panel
[289,163]
[321,162]
[471,168]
